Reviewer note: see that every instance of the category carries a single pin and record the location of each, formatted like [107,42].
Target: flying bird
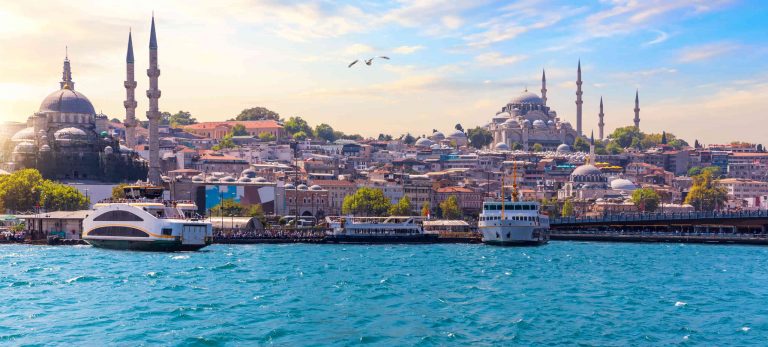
[367,61]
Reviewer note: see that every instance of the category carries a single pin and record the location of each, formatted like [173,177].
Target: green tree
[180,119]
[300,136]
[20,191]
[694,171]
[425,209]
[401,208]
[479,137]
[581,145]
[257,113]
[116,120]
[385,137]
[228,208]
[537,147]
[715,171]
[225,142]
[118,191]
[60,197]
[625,136]
[646,199]
[567,208]
[705,194]
[325,132]
[239,130]
[297,124]
[613,148]
[255,211]
[450,208]
[366,202]
[516,146]
[267,137]
[408,139]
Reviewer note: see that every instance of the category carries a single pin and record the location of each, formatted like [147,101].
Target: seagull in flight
[367,61]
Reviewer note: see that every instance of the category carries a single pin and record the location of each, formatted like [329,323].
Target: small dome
[424,142]
[198,178]
[563,149]
[458,134]
[566,125]
[212,179]
[315,187]
[25,148]
[289,186]
[108,150]
[526,124]
[437,136]
[125,149]
[623,184]
[586,170]
[26,134]
[539,124]
[70,134]
[45,148]
[435,146]
[244,180]
[501,146]
[302,187]
[228,179]
[510,123]
[551,123]
[259,179]
[250,173]
[67,101]
[527,98]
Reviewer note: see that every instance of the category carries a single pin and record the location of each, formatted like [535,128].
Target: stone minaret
[637,110]
[153,93]
[579,102]
[601,123]
[592,149]
[66,76]
[544,87]
[130,97]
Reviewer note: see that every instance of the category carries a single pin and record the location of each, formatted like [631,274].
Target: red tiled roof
[333,183]
[454,190]
[253,124]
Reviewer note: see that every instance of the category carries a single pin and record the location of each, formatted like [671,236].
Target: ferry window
[118,216]
[167,231]
[117,231]
[517,207]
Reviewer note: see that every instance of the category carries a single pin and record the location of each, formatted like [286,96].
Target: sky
[700,65]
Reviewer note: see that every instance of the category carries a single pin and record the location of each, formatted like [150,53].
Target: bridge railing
[667,216]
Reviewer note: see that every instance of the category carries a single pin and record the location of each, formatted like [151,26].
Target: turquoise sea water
[565,293]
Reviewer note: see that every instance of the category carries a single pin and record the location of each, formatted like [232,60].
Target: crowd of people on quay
[243,234]
[10,236]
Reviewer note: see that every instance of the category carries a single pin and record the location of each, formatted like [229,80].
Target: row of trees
[371,202]
[27,191]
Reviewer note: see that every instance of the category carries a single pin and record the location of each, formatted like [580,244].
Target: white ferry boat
[404,229]
[513,222]
[146,223]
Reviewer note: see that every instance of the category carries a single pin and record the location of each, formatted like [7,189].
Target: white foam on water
[680,304]
[180,257]
[745,329]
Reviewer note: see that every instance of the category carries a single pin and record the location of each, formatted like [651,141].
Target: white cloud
[407,49]
[661,37]
[497,59]
[704,52]
[357,49]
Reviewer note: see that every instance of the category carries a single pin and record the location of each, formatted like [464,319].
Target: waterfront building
[743,189]
[470,201]
[66,139]
[304,201]
[217,130]
[337,191]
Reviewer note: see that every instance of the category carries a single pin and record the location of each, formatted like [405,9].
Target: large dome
[67,101]
[26,134]
[70,134]
[527,98]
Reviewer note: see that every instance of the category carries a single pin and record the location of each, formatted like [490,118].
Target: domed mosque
[66,139]
[526,119]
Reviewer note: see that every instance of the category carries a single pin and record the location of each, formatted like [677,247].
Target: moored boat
[146,224]
[403,229]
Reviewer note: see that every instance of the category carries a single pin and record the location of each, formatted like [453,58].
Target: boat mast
[503,198]
[514,181]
